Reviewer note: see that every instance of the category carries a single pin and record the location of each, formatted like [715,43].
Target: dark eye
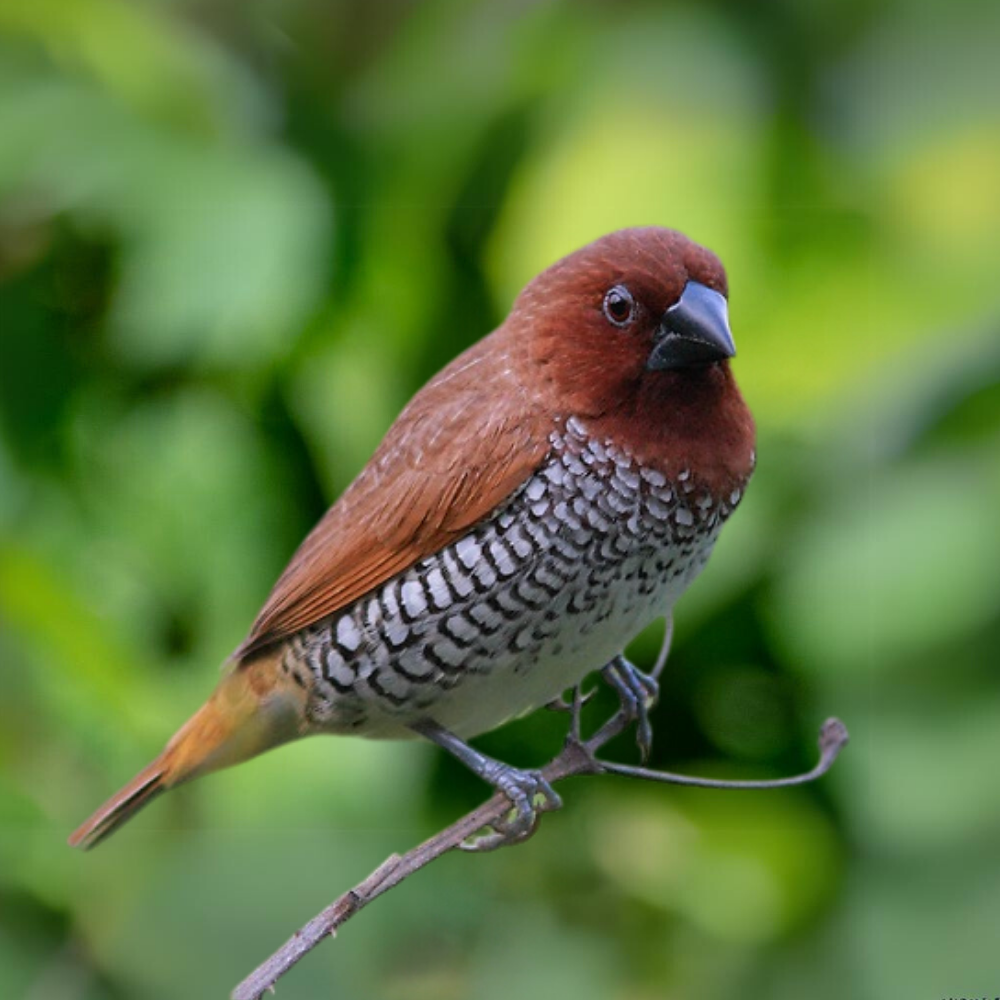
[619,306]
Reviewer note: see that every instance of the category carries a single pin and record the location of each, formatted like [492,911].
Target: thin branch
[832,739]
[571,761]
[577,757]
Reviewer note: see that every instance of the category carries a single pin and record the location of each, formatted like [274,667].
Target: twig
[578,756]
[573,760]
[832,737]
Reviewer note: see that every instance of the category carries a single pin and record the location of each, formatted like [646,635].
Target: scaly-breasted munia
[547,495]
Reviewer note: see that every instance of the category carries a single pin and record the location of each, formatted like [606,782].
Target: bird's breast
[591,549]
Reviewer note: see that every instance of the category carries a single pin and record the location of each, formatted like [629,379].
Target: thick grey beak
[693,331]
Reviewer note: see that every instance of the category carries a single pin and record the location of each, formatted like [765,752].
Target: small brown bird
[547,495]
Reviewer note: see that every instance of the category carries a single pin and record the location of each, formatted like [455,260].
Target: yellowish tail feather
[122,806]
[253,708]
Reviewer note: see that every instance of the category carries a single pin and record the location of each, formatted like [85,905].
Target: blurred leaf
[895,564]
[744,869]
[901,943]
[223,244]
[922,786]
[143,55]
[86,666]
[530,955]
[177,483]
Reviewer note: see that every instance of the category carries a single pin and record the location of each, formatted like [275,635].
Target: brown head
[631,334]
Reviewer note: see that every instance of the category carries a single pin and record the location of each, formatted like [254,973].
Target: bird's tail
[251,710]
[122,806]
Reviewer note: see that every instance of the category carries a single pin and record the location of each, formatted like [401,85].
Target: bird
[542,499]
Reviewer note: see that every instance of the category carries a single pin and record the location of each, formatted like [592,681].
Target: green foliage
[235,238]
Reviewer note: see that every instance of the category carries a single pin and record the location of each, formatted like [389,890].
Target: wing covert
[459,449]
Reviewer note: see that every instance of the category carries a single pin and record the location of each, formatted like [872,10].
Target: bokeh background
[236,236]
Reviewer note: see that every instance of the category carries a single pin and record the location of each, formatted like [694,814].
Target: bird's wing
[460,448]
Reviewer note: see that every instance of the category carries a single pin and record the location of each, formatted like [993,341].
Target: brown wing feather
[464,443]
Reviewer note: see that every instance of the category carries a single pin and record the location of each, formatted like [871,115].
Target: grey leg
[638,693]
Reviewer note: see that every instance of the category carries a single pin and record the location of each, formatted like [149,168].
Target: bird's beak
[693,331]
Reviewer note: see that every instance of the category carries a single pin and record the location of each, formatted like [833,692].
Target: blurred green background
[236,236]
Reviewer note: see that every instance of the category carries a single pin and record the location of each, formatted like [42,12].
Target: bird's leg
[638,693]
[521,787]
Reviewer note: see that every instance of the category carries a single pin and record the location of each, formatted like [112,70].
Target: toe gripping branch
[530,793]
[637,694]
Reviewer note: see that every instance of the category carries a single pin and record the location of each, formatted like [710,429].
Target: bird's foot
[637,693]
[530,795]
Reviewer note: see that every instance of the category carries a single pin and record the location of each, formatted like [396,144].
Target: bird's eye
[619,306]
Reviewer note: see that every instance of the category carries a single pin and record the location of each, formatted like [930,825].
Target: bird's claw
[523,788]
[637,693]
[561,704]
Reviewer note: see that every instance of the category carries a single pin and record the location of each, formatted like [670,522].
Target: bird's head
[631,333]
